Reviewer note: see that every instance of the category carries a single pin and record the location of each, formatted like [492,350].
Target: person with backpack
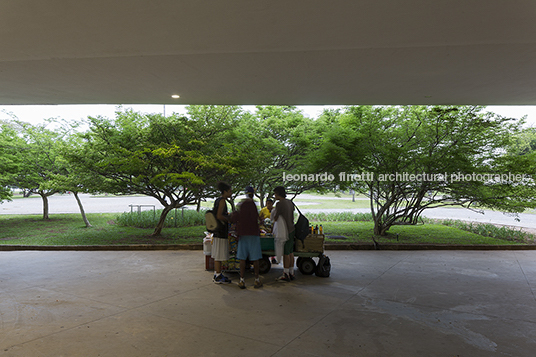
[220,239]
[249,241]
[285,208]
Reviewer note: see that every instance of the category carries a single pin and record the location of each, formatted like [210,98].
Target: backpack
[211,221]
[324,267]
[301,228]
[213,224]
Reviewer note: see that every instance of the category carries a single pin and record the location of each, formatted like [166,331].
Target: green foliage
[274,140]
[339,223]
[339,217]
[363,232]
[148,219]
[524,142]
[173,159]
[490,230]
[40,160]
[10,159]
[68,229]
[438,140]
[41,157]
[179,159]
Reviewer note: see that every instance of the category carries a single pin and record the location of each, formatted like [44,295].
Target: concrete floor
[163,303]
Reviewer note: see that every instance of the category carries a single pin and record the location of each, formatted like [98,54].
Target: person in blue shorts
[249,241]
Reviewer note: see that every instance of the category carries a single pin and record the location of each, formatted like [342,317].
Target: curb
[103,247]
[329,246]
[391,246]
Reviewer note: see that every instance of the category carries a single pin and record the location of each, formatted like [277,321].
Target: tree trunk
[162,220]
[380,229]
[81,209]
[45,205]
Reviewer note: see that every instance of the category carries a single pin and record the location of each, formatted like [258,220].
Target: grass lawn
[429,233]
[68,229]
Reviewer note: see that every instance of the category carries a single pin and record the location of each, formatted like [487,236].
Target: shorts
[289,244]
[249,247]
[220,249]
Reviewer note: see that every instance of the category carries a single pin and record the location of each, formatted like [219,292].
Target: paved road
[67,204]
[525,220]
[111,204]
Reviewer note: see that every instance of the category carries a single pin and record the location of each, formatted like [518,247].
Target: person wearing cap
[249,241]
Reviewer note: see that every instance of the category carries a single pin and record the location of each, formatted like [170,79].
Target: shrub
[339,217]
[148,219]
[490,230]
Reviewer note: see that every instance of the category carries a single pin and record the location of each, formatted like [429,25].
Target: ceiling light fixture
[175,96]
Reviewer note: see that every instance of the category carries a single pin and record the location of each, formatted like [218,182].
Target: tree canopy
[404,158]
[410,158]
[10,145]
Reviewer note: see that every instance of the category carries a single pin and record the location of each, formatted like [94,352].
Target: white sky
[36,113]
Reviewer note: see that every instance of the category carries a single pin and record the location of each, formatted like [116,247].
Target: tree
[411,158]
[40,161]
[525,141]
[172,159]
[9,159]
[274,141]
[70,178]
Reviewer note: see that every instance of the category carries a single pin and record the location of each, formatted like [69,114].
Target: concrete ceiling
[268,52]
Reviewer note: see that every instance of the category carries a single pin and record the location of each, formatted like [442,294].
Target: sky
[35,114]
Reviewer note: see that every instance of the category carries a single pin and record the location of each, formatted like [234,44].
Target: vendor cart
[311,247]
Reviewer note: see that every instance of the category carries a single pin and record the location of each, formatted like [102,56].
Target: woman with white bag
[280,234]
[285,208]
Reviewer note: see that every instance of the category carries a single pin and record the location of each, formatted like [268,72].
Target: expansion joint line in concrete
[525,276]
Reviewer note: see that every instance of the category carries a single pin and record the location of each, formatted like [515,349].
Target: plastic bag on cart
[207,243]
[280,233]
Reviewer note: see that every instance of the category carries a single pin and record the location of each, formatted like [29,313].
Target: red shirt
[246,219]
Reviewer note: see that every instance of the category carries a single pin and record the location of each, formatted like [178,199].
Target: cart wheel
[298,261]
[307,266]
[264,264]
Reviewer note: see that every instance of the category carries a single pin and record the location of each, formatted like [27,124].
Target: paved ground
[163,303]
[67,204]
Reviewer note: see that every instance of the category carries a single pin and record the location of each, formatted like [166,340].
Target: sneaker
[258,284]
[242,284]
[283,277]
[274,261]
[221,279]
[292,277]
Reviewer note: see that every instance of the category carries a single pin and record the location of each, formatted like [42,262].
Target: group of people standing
[248,221]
